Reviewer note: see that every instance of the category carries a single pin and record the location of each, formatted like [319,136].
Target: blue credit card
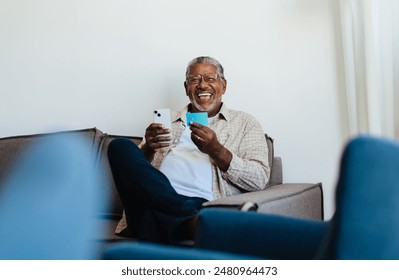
[201,118]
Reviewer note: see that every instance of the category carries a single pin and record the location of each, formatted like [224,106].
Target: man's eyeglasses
[208,78]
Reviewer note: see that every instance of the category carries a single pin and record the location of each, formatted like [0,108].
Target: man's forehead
[199,68]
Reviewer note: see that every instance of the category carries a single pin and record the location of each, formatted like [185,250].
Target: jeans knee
[119,146]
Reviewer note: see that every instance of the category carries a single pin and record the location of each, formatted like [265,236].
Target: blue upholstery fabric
[49,202]
[365,225]
[152,251]
[367,216]
[259,235]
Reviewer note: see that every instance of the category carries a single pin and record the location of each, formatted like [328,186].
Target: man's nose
[202,84]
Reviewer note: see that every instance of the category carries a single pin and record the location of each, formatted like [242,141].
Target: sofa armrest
[261,235]
[296,200]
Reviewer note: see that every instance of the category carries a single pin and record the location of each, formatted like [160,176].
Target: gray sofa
[298,200]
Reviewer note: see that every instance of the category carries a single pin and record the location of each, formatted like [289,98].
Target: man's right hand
[155,138]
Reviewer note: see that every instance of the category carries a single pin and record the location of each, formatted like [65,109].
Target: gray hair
[207,59]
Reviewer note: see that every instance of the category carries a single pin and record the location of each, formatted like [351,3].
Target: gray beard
[206,108]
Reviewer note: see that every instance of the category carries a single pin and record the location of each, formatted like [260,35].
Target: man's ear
[185,86]
[224,86]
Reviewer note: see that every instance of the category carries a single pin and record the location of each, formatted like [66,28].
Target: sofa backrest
[13,148]
[270,146]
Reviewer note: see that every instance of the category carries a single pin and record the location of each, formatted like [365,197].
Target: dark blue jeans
[155,212]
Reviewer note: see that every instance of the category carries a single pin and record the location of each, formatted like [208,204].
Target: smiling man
[205,84]
[163,185]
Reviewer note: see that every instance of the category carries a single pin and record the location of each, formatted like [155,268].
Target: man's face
[205,88]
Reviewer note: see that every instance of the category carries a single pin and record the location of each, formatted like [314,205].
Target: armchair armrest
[155,251]
[261,235]
[295,200]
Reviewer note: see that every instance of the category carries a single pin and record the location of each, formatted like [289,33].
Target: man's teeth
[204,94]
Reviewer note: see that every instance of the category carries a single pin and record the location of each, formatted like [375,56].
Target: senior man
[163,185]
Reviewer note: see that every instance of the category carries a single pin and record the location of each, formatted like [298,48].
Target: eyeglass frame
[203,77]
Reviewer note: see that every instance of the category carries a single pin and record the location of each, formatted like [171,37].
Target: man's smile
[204,95]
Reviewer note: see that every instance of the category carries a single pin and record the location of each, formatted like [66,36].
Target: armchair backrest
[366,222]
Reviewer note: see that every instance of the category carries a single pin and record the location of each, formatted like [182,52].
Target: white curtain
[370,48]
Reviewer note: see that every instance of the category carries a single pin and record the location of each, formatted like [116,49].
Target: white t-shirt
[188,169]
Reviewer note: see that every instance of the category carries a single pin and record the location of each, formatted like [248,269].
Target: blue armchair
[49,201]
[365,224]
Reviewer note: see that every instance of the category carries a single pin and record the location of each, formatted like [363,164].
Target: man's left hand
[207,142]
[204,138]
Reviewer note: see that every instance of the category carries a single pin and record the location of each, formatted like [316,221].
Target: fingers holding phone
[159,133]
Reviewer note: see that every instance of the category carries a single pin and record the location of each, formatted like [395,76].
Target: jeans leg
[118,151]
[153,208]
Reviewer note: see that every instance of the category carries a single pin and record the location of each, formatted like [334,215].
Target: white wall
[76,64]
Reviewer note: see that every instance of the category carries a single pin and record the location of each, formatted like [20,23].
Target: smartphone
[162,116]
